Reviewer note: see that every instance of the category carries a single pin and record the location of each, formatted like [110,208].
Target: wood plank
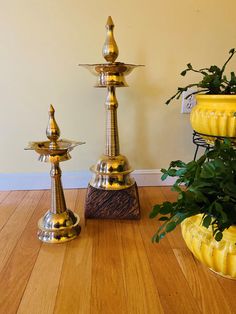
[229,290]
[16,272]
[77,269]
[12,230]
[41,291]
[204,285]
[71,197]
[8,204]
[3,195]
[76,277]
[169,278]
[141,293]
[107,282]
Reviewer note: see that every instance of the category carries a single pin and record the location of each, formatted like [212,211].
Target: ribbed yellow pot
[215,115]
[218,256]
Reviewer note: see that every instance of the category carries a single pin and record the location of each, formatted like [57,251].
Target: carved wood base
[109,204]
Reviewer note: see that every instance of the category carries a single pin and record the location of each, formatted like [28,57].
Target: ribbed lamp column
[112,147]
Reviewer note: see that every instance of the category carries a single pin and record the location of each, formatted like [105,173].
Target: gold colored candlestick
[59,224]
[112,171]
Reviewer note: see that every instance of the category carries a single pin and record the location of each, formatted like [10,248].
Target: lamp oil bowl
[59,224]
[112,192]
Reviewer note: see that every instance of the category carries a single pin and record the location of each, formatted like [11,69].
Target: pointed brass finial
[52,131]
[110,50]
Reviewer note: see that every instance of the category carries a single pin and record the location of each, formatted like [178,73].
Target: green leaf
[226,198]
[206,221]
[233,163]
[219,208]
[155,238]
[170,226]
[191,165]
[164,218]
[164,176]
[166,208]
[208,170]
[155,211]
[218,163]
[162,235]
[200,197]
[171,172]
[177,163]
[189,65]
[181,172]
[219,236]
[214,69]
[230,188]
[201,160]
[176,188]
[163,170]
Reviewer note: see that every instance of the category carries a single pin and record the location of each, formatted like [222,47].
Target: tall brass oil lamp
[112,192]
[59,224]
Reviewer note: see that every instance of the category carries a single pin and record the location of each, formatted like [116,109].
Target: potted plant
[205,207]
[215,112]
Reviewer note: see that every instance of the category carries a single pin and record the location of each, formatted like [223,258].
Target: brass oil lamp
[59,224]
[112,192]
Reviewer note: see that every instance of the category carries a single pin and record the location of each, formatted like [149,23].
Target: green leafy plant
[210,189]
[213,82]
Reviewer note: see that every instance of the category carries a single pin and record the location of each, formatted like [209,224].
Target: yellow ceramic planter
[218,256]
[215,115]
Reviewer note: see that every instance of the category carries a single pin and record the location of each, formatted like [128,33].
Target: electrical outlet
[190,102]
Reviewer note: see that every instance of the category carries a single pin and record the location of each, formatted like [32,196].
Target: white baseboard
[72,180]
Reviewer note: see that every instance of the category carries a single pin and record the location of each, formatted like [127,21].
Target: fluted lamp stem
[58,204]
[112,147]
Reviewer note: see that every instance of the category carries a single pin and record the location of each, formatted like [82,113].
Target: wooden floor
[112,267]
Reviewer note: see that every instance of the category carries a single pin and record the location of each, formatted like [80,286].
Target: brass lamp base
[112,204]
[58,228]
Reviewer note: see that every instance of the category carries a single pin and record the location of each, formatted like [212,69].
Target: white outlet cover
[190,102]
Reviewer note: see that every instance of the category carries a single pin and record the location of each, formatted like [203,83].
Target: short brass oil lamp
[59,224]
[112,192]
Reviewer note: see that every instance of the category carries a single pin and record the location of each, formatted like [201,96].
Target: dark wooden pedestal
[108,204]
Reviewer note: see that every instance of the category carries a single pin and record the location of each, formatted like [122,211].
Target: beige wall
[41,43]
